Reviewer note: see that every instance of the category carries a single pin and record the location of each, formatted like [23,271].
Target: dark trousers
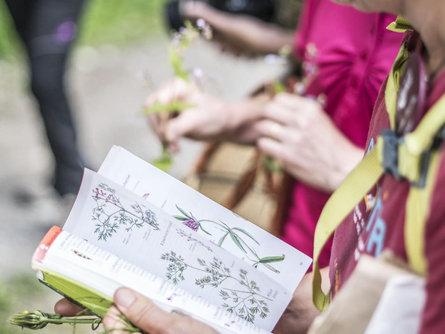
[47,29]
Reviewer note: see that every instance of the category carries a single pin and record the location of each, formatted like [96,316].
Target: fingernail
[124,298]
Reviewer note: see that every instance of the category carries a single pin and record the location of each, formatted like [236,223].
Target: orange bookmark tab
[46,242]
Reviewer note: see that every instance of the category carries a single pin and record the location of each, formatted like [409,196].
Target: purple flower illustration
[190,223]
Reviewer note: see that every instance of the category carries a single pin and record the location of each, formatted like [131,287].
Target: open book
[134,225]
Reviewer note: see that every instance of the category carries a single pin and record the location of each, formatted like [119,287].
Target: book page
[280,261]
[76,259]
[122,223]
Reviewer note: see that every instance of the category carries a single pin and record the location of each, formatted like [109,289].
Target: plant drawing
[189,237]
[245,301]
[109,213]
[236,234]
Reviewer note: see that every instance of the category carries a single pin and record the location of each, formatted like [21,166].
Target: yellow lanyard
[411,153]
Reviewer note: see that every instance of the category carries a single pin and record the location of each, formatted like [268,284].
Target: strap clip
[390,163]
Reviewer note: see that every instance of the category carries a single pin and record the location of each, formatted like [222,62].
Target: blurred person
[317,137]
[411,102]
[48,29]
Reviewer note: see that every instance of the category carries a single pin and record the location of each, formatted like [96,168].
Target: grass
[23,292]
[114,22]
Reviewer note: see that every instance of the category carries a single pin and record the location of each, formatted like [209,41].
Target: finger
[153,121]
[148,317]
[278,113]
[271,129]
[183,125]
[113,321]
[272,148]
[141,311]
[173,90]
[289,100]
[297,103]
[66,308]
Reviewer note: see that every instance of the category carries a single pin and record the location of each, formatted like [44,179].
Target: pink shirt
[347,54]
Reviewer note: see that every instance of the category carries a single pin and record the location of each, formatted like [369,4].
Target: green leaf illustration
[183,212]
[271,259]
[220,242]
[246,233]
[203,229]
[268,266]
[235,239]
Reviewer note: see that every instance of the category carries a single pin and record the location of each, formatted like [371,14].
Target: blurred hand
[143,314]
[239,34]
[208,119]
[301,312]
[301,136]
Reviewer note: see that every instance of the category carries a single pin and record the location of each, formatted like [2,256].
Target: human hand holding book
[133,225]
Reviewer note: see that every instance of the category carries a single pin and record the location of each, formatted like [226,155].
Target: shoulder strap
[408,153]
[416,214]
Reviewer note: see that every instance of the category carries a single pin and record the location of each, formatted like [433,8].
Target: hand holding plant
[162,110]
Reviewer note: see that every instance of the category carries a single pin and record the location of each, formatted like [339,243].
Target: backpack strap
[409,157]
[416,214]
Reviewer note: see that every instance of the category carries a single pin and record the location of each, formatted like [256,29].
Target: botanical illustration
[246,300]
[189,237]
[110,214]
[236,235]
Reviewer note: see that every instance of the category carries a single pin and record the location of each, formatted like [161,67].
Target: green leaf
[164,162]
[271,165]
[271,259]
[173,106]
[176,61]
[278,87]
[246,233]
[235,239]
[268,266]
[202,228]
[183,212]
[220,242]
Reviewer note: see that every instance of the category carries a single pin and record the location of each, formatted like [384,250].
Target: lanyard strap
[411,155]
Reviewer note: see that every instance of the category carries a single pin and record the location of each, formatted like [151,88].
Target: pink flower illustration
[190,223]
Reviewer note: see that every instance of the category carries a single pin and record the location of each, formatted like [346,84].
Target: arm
[240,33]
[298,133]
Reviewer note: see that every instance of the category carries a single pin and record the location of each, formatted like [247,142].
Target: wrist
[347,159]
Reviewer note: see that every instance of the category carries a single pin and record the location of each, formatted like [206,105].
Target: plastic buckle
[390,162]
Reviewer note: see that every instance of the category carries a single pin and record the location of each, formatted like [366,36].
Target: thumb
[141,311]
[145,315]
[183,125]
